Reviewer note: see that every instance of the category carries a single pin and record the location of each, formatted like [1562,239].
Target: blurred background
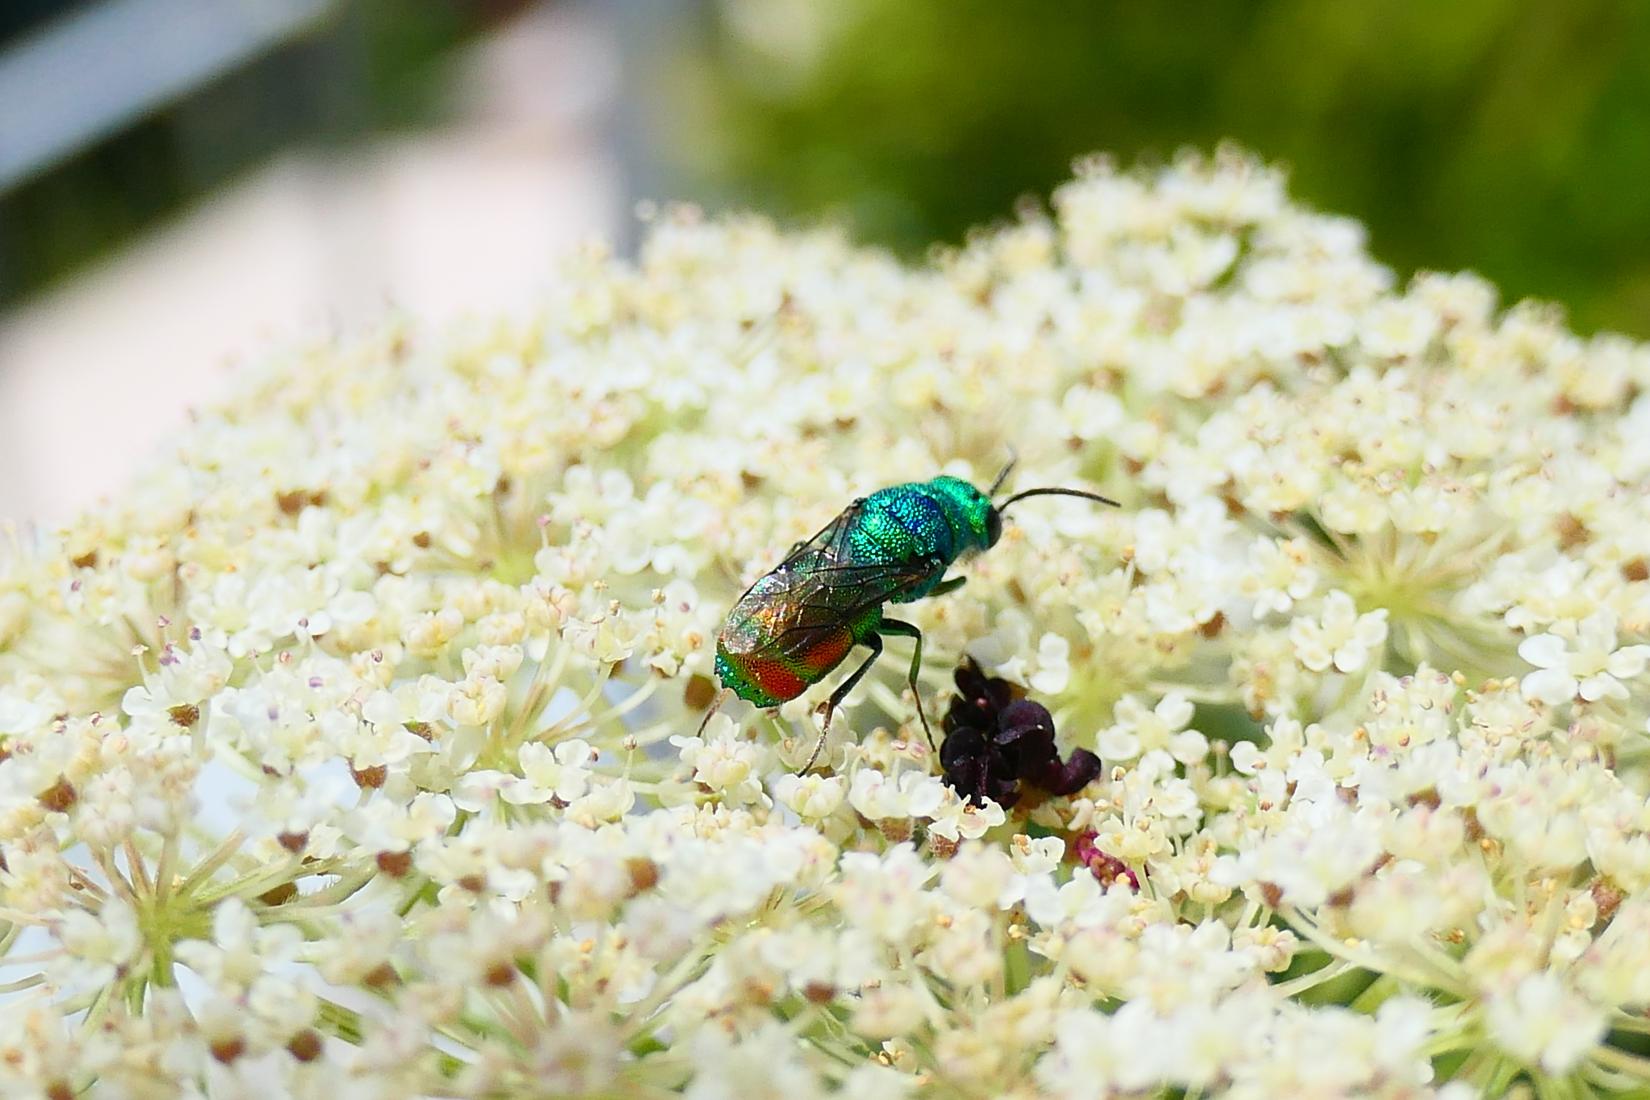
[189,184]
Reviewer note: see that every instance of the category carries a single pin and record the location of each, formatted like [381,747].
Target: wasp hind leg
[874,644]
[722,696]
[894,626]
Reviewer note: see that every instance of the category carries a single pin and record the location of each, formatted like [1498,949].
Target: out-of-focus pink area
[96,374]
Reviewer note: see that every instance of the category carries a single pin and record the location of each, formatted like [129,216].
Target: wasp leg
[874,644]
[947,586]
[894,626]
[721,697]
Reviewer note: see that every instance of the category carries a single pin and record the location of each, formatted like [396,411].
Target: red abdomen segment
[768,677]
[792,628]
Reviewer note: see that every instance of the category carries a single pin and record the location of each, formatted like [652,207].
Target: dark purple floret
[995,740]
[979,699]
[1026,734]
[976,770]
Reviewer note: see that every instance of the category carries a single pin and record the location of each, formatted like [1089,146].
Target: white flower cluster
[355,752]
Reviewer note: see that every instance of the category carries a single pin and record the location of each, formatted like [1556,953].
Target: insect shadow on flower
[995,739]
[799,621]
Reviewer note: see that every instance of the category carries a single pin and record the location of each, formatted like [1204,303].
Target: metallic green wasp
[798,622]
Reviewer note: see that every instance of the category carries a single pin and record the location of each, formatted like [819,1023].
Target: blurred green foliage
[1511,137]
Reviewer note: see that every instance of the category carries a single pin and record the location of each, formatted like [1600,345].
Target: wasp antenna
[1060,493]
[1002,477]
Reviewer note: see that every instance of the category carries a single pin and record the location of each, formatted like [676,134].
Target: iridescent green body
[799,621]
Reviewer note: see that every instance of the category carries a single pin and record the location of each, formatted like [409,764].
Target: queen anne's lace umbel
[352,754]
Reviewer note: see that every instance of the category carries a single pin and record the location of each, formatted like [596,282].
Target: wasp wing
[807,618]
[830,545]
[803,613]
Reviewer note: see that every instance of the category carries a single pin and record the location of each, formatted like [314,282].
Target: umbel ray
[800,620]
